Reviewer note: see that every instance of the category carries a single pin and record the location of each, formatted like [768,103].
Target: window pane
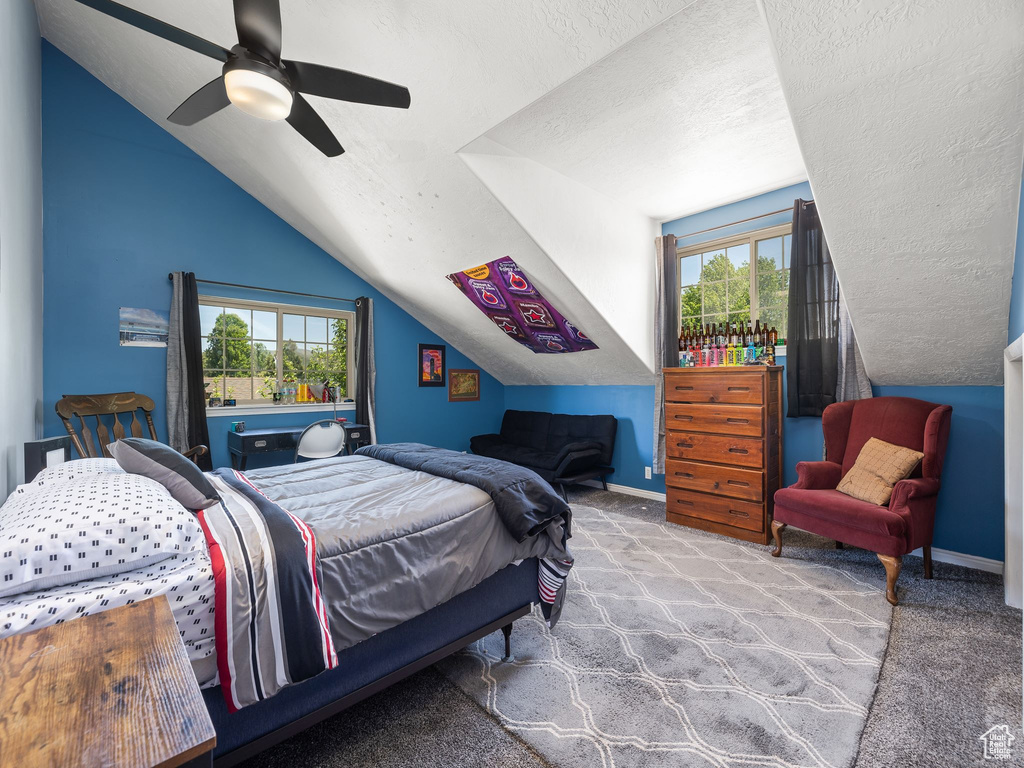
[294,328]
[264,358]
[293,366]
[212,351]
[263,389]
[774,317]
[787,243]
[264,324]
[769,254]
[237,322]
[739,295]
[317,364]
[207,318]
[689,302]
[739,257]
[316,329]
[238,385]
[772,288]
[689,270]
[716,266]
[714,296]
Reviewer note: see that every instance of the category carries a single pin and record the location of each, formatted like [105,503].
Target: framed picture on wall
[463,385]
[430,365]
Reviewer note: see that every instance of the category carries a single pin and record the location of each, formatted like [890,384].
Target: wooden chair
[113,405]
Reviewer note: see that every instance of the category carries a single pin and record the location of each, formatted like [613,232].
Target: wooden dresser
[723,447]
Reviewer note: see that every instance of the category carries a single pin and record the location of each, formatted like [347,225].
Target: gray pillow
[181,477]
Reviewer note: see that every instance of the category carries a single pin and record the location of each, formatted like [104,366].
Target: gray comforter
[395,542]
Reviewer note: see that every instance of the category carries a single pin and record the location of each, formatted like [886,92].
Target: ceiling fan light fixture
[258,94]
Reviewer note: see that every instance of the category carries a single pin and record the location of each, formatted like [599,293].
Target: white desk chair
[320,440]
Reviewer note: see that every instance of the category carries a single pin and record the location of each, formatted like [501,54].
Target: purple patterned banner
[502,292]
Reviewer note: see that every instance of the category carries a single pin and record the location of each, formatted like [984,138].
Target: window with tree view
[251,348]
[720,282]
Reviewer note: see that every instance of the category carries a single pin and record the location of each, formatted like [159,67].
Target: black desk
[241,445]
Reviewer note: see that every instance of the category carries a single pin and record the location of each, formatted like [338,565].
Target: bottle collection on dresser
[725,344]
[723,447]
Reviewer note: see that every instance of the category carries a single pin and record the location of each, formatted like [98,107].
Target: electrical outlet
[647,473]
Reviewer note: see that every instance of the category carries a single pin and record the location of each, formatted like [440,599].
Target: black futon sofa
[562,449]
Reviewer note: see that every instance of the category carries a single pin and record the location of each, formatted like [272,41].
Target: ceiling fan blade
[318,80]
[259,27]
[209,99]
[158,28]
[313,128]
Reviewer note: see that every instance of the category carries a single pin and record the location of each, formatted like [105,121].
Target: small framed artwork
[463,385]
[430,365]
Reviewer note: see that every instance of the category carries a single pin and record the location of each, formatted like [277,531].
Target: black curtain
[197,430]
[812,341]
[365,370]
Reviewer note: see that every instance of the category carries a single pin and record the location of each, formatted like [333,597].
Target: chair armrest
[194,453]
[575,462]
[916,488]
[818,475]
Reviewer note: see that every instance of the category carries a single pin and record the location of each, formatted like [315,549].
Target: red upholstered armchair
[815,505]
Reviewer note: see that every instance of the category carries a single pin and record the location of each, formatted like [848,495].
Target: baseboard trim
[631,491]
[959,558]
[941,555]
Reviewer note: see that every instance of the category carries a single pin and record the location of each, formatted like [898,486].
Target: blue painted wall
[1016,325]
[970,512]
[125,203]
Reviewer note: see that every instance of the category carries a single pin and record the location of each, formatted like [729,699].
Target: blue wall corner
[125,203]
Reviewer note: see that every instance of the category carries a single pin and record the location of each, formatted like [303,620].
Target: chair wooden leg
[777,529]
[927,561]
[892,572]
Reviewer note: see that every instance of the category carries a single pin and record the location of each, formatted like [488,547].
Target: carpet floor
[951,671]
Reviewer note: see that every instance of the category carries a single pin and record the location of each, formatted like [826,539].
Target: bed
[408,565]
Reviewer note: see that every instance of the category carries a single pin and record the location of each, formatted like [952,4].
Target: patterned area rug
[682,649]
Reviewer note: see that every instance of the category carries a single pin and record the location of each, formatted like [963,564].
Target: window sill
[253,410]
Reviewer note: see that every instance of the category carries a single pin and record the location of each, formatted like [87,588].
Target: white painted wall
[21,238]
[910,120]
[604,247]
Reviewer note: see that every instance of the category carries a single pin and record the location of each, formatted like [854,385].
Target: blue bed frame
[374,664]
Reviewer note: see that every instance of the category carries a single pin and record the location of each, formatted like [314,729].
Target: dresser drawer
[680,505]
[743,420]
[732,387]
[721,449]
[706,478]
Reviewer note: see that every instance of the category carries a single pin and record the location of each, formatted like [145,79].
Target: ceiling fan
[255,77]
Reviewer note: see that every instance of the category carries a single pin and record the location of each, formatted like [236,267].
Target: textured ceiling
[909,116]
[400,208]
[686,117]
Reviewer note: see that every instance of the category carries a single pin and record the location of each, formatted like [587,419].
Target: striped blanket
[270,619]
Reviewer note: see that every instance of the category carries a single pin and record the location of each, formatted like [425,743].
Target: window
[719,282]
[251,347]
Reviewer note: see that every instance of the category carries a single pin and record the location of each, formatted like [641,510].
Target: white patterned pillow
[89,527]
[70,470]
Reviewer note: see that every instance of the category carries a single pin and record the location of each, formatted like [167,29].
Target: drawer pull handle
[684,501]
[685,445]
[684,474]
[738,513]
[737,421]
[744,451]
[738,482]
[683,417]
[739,389]
[684,389]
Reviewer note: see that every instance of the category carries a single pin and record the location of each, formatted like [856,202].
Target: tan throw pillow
[878,468]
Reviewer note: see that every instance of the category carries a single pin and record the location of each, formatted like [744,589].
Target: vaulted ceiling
[561,133]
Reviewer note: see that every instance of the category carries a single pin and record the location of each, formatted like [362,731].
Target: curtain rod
[734,223]
[170,276]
